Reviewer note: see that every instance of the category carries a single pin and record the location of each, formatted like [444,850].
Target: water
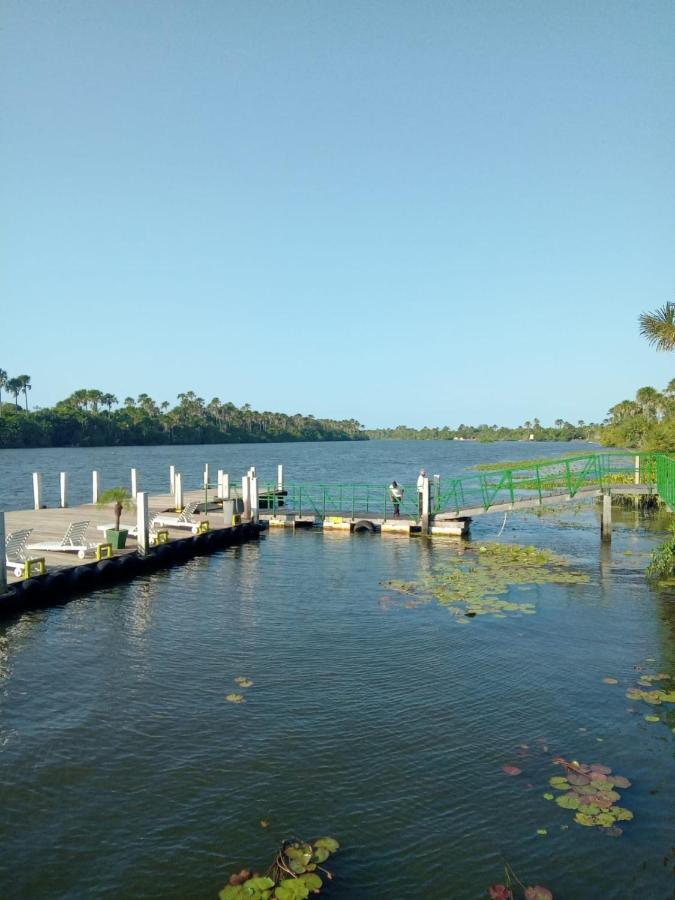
[125,773]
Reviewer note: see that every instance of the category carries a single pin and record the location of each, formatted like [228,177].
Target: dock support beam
[178,492]
[143,531]
[206,474]
[226,486]
[606,518]
[3,567]
[63,485]
[254,499]
[280,477]
[37,490]
[134,483]
[246,496]
[172,479]
[426,497]
[95,485]
[219,492]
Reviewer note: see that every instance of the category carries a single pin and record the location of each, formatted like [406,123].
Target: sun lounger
[185,520]
[16,557]
[74,541]
[132,530]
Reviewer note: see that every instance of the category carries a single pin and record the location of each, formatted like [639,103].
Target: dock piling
[172,479]
[178,492]
[255,507]
[95,485]
[3,568]
[226,486]
[143,531]
[63,485]
[134,483]
[206,473]
[425,505]
[606,517]
[219,492]
[37,490]
[246,495]
[280,477]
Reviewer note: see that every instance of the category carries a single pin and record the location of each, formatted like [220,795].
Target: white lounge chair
[185,520]
[132,530]
[16,557]
[74,541]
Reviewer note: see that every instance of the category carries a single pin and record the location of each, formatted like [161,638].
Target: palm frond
[658,327]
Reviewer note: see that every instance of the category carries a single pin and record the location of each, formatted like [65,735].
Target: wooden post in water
[134,483]
[95,486]
[37,490]
[255,510]
[280,477]
[3,567]
[63,485]
[142,523]
[436,495]
[426,505]
[606,517]
[172,479]
[178,492]
[246,496]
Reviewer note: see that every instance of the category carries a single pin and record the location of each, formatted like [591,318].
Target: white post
[606,517]
[134,483]
[280,477]
[425,505]
[178,492]
[226,486]
[206,474]
[172,479]
[3,568]
[255,509]
[37,490]
[63,482]
[142,520]
[219,493]
[637,470]
[246,496]
[95,485]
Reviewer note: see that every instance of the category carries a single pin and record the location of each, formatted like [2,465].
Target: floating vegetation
[512,770]
[590,791]
[650,695]
[292,875]
[235,698]
[243,682]
[610,681]
[513,883]
[471,583]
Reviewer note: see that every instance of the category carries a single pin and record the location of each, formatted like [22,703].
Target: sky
[419,212]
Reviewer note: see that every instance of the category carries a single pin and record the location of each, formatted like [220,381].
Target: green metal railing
[529,481]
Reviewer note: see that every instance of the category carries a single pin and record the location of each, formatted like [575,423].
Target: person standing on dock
[420,489]
[396,494]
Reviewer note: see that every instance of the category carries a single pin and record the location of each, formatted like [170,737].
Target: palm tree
[3,384]
[25,386]
[14,386]
[109,400]
[659,327]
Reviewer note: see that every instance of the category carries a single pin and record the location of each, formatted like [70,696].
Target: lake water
[126,773]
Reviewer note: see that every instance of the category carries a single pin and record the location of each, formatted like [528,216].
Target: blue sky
[402,212]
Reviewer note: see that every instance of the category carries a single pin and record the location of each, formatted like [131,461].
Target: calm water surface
[125,773]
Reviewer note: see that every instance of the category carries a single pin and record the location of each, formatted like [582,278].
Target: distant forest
[92,418]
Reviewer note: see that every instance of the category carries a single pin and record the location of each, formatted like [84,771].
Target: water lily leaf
[601,770]
[327,843]
[577,779]
[559,782]
[243,682]
[311,881]
[652,719]
[583,819]
[606,819]
[512,770]
[235,698]
[613,831]
[610,680]
[537,892]
[259,883]
[621,814]
[291,889]
[320,855]
[548,797]
[500,892]
[589,809]
[620,781]
[542,831]
[567,801]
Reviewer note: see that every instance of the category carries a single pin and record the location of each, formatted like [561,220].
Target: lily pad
[568,801]
[235,698]
[610,680]
[583,819]
[652,719]
[512,770]
[548,796]
[243,682]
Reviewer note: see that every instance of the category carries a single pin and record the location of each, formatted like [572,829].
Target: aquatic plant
[470,583]
[662,565]
[292,875]
[591,792]
[513,883]
[653,696]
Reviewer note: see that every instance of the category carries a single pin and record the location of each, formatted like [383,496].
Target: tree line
[93,418]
